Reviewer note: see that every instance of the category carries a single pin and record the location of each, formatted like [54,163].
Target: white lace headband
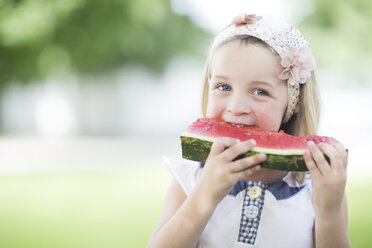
[293,49]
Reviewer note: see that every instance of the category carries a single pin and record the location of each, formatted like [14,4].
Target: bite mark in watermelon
[284,151]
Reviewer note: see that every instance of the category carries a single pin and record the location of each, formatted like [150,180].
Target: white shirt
[254,214]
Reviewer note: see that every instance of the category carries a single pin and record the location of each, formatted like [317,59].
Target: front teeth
[238,125]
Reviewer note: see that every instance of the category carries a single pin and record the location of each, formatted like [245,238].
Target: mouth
[240,125]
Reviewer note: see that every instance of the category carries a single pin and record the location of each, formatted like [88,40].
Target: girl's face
[245,87]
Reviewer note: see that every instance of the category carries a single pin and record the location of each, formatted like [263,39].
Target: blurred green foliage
[340,36]
[41,37]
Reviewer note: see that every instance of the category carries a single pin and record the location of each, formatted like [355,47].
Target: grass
[360,215]
[111,208]
[80,209]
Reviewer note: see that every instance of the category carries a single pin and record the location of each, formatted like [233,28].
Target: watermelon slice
[284,151]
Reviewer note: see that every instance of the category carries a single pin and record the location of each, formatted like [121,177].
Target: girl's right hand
[221,172]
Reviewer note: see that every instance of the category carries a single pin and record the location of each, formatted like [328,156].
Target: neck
[267,175]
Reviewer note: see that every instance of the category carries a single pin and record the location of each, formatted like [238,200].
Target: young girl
[260,71]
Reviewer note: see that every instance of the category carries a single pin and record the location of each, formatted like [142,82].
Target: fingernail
[311,143]
[237,140]
[252,141]
[262,156]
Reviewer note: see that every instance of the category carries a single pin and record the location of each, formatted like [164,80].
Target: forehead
[245,59]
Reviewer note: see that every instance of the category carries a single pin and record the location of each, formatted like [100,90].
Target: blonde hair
[304,121]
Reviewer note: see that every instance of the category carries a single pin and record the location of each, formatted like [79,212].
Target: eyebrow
[271,85]
[265,83]
[220,77]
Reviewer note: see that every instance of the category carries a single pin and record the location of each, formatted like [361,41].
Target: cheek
[270,118]
[214,108]
[211,110]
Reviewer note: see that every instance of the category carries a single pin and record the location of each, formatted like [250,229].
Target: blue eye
[224,87]
[260,92]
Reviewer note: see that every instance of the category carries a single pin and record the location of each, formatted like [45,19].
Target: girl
[260,71]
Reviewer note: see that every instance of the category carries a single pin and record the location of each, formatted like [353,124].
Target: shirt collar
[280,189]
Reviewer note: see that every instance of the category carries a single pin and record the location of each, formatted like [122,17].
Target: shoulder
[186,172]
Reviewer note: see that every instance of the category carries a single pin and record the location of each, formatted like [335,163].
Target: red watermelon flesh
[267,141]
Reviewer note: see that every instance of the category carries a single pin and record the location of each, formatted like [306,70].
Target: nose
[239,104]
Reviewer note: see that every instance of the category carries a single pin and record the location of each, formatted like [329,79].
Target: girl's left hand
[329,178]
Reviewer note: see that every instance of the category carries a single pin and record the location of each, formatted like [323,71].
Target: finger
[245,163]
[334,156]
[343,153]
[238,149]
[220,144]
[310,163]
[318,158]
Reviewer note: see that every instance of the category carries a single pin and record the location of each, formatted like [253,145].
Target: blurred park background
[94,93]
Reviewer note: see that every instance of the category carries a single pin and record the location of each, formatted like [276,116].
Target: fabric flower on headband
[298,65]
[245,19]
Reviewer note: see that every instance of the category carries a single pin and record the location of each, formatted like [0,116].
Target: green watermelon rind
[288,151]
[197,149]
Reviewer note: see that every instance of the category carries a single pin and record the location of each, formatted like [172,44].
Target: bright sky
[216,14]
